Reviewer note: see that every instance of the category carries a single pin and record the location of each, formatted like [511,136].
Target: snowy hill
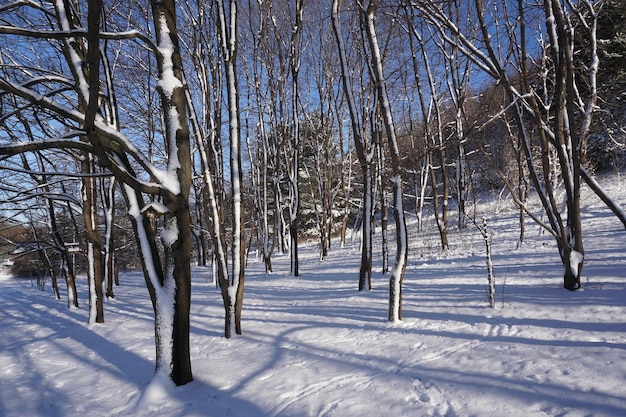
[315,346]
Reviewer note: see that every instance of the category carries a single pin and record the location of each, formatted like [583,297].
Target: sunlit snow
[315,346]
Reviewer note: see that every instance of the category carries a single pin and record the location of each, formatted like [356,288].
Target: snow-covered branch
[78,33]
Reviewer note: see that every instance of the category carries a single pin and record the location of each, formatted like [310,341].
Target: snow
[315,346]
[91,276]
[155,207]
[232,296]
[76,60]
[144,242]
[168,81]
[169,234]
[576,258]
[165,325]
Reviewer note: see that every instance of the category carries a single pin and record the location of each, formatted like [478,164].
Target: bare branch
[80,33]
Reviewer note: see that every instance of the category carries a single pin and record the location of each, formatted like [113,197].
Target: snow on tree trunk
[233,290]
[397,272]
[294,169]
[94,251]
[171,285]
[491,279]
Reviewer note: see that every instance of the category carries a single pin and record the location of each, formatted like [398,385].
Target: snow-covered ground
[315,346]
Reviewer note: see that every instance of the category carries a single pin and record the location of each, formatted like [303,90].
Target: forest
[164,135]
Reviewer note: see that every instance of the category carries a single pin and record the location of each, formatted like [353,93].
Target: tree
[548,107]
[35,184]
[402,242]
[323,157]
[233,289]
[364,151]
[319,161]
[258,150]
[294,149]
[432,120]
[167,273]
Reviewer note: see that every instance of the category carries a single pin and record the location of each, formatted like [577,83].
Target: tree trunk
[55,284]
[523,191]
[233,291]
[491,279]
[436,205]
[70,281]
[45,259]
[172,289]
[94,246]
[384,218]
[364,155]
[567,143]
[108,202]
[365,271]
[421,184]
[294,207]
[397,273]
[461,185]
[442,222]
[345,183]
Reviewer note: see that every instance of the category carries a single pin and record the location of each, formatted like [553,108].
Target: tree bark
[93,244]
[175,284]
[364,155]
[294,169]
[233,290]
[397,273]
[107,192]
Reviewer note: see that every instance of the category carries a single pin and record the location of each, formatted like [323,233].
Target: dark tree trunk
[365,271]
[70,281]
[94,246]
[445,197]
[364,155]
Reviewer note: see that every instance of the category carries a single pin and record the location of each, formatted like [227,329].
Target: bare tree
[364,150]
[259,151]
[402,242]
[458,75]
[210,69]
[430,98]
[167,274]
[294,149]
[232,290]
[321,150]
[548,108]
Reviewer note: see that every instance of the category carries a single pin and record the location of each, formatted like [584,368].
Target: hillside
[314,346]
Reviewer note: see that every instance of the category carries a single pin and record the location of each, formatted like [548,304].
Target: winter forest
[384,169]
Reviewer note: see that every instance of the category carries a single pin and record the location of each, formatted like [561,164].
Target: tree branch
[83,33]
[612,205]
